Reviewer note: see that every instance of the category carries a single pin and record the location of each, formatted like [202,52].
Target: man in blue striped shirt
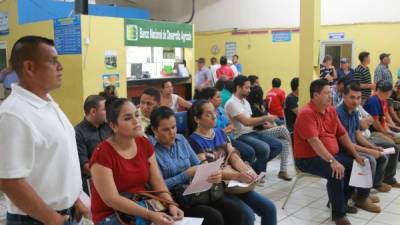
[382,71]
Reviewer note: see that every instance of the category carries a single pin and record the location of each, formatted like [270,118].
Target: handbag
[146,199]
[215,193]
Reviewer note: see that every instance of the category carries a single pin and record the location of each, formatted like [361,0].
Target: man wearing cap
[204,77]
[382,71]
[377,107]
[345,70]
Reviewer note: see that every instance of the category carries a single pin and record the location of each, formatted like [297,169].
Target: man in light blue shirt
[239,67]
[8,77]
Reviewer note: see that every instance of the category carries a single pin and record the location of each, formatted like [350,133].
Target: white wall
[228,14]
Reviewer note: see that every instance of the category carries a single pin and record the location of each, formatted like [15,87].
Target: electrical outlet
[87,41]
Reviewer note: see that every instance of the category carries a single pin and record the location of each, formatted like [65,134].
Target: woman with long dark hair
[126,163]
[258,108]
[211,143]
[178,164]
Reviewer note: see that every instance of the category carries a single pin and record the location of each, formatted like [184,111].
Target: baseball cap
[344,60]
[383,55]
[384,86]
[201,60]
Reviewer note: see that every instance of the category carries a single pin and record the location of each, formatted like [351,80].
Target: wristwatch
[331,161]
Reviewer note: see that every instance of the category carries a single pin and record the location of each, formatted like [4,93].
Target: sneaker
[384,188]
[374,198]
[342,221]
[284,176]
[367,205]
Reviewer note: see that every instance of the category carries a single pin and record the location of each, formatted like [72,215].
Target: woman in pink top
[225,70]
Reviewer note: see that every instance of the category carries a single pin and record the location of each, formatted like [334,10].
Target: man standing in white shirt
[39,164]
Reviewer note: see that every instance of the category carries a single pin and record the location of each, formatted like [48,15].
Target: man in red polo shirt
[317,132]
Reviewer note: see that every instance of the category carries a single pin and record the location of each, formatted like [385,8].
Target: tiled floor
[307,205]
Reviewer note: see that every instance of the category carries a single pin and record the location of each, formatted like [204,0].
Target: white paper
[361,176]
[189,221]
[203,171]
[389,151]
[235,183]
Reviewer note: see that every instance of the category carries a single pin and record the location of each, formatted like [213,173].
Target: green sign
[157,34]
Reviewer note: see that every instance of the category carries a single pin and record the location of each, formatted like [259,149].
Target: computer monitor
[136,70]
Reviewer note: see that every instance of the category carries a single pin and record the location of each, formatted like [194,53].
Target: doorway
[337,49]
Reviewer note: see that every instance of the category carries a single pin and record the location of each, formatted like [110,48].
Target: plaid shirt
[382,72]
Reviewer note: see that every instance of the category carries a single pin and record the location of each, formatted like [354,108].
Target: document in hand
[203,171]
[389,151]
[235,183]
[189,221]
[361,176]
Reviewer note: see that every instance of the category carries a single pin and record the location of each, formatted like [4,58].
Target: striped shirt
[382,72]
[363,76]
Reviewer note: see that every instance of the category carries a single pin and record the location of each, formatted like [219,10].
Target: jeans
[247,152]
[13,219]
[252,202]
[339,191]
[111,220]
[378,167]
[265,148]
[391,168]
[224,211]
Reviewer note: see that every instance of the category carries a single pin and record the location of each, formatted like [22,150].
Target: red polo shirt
[225,70]
[312,123]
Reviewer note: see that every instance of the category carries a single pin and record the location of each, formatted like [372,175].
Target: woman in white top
[168,98]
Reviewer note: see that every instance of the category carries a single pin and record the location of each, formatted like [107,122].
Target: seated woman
[125,162]
[178,164]
[207,141]
[214,96]
[258,108]
[168,98]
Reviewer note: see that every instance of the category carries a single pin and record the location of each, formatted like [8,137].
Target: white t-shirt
[38,144]
[363,115]
[214,69]
[234,107]
[174,103]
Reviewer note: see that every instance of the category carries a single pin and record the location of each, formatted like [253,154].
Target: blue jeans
[111,220]
[265,148]
[252,202]
[13,219]
[247,152]
[339,191]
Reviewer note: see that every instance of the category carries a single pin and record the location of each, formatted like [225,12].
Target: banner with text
[158,34]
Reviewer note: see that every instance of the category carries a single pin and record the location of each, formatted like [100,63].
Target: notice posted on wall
[4,25]
[67,35]
[230,49]
[281,36]
[111,79]
[110,59]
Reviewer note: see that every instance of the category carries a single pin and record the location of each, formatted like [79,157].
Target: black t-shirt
[257,111]
[292,102]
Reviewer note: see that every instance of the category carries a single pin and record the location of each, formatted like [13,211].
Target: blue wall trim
[30,11]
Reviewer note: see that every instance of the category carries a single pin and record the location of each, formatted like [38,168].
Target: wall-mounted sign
[281,36]
[336,36]
[67,35]
[110,59]
[230,49]
[157,34]
[4,25]
[110,79]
